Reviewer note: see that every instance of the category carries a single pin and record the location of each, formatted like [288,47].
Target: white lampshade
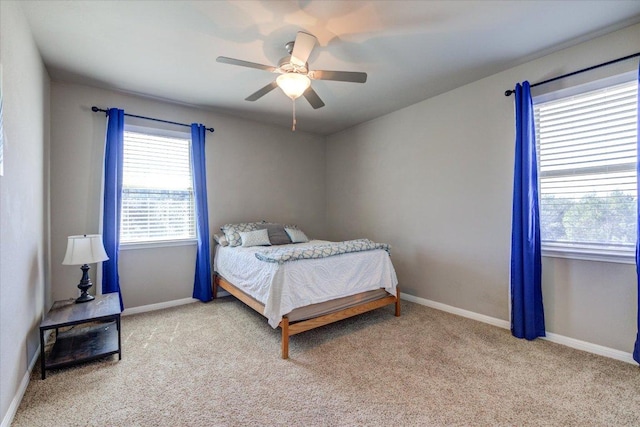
[293,84]
[84,249]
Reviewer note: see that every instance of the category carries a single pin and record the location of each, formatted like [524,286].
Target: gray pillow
[277,234]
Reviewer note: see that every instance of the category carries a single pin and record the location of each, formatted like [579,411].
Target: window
[157,190]
[587,146]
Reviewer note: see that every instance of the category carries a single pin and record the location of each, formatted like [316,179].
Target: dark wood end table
[88,342]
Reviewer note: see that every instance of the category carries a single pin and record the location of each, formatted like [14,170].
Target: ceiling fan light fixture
[293,84]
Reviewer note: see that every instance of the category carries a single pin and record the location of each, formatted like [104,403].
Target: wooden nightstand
[81,343]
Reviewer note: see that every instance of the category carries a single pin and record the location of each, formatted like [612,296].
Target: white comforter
[282,288]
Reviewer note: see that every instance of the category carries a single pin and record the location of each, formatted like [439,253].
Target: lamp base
[85,298]
[84,285]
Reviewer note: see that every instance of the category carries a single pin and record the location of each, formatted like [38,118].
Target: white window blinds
[157,193]
[587,169]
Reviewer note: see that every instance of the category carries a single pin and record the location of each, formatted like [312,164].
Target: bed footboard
[289,329]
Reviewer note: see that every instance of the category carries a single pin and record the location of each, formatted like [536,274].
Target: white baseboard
[591,348]
[15,403]
[555,338]
[158,306]
[458,311]
[161,305]
[167,304]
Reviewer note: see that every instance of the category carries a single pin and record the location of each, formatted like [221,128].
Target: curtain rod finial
[508,92]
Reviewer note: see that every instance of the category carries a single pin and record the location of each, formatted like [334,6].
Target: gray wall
[254,172]
[435,181]
[23,244]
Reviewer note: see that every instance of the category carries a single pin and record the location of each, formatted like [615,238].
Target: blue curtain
[527,312]
[202,283]
[112,200]
[636,349]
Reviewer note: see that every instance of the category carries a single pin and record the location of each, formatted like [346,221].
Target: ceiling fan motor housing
[286,66]
[289,46]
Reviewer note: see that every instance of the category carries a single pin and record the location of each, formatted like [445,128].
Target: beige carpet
[219,364]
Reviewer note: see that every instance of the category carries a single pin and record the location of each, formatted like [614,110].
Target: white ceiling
[411,50]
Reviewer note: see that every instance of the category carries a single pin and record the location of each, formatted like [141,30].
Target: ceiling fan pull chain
[293,128]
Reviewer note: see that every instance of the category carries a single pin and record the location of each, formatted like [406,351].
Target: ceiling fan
[295,76]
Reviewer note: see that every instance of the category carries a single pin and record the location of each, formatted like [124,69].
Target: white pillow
[221,239]
[296,236]
[255,238]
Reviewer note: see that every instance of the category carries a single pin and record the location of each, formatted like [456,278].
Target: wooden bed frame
[293,328]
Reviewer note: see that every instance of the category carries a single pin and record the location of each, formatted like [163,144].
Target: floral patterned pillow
[232,231]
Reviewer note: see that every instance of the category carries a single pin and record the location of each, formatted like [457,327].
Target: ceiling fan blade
[233,61]
[261,92]
[341,76]
[313,98]
[302,48]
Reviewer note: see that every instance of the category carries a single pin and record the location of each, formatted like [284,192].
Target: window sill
[157,244]
[618,256]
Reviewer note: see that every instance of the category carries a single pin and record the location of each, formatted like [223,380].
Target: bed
[300,284]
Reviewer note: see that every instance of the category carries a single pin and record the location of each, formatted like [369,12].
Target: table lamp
[83,250]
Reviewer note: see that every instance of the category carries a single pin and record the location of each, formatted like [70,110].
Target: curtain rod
[96,109]
[624,58]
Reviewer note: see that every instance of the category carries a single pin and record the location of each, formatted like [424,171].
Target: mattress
[282,288]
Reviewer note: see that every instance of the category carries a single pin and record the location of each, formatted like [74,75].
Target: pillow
[232,231]
[255,238]
[277,234]
[296,236]
[220,239]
